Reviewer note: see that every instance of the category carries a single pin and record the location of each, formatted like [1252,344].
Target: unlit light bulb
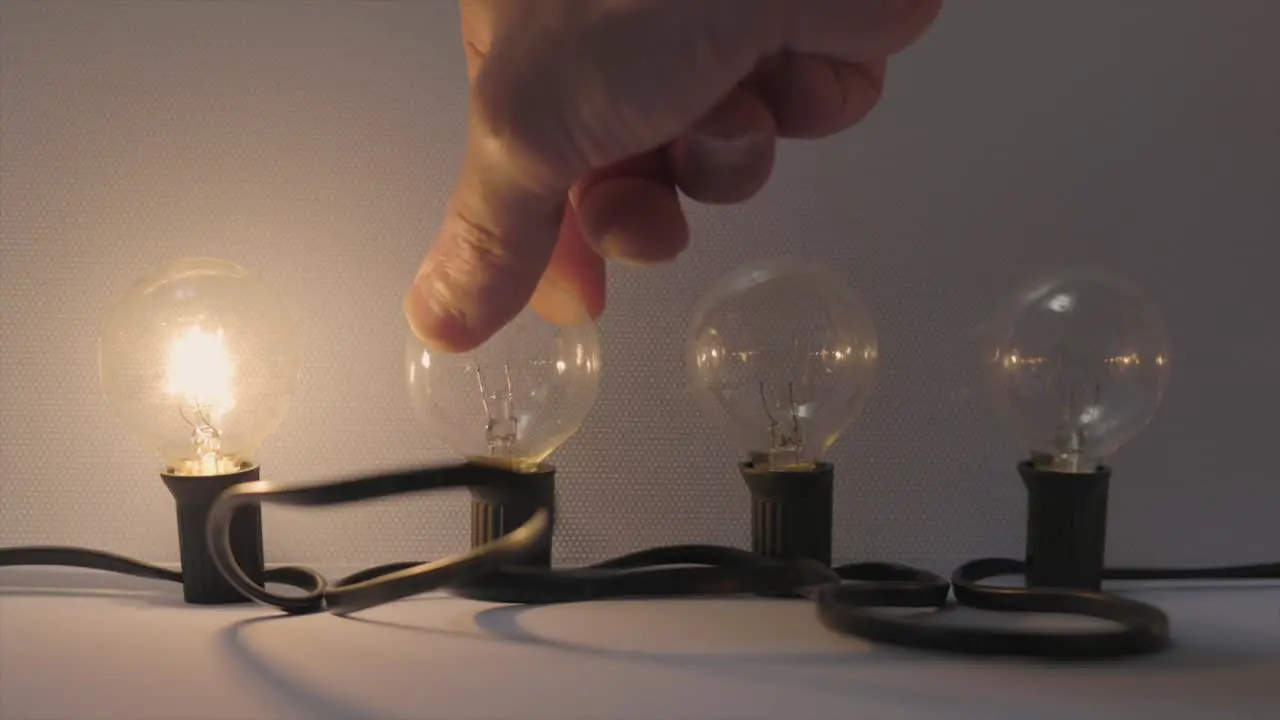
[199,360]
[515,399]
[1080,365]
[782,355]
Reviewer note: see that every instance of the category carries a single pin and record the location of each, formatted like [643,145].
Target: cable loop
[849,599]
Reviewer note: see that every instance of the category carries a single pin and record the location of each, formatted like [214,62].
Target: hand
[587,117]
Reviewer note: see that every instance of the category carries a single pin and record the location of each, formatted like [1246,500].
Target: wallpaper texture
[315,144]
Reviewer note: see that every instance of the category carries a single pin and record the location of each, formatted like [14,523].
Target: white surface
[315,142]
[68,651]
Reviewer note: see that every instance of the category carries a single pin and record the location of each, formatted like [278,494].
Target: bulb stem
[498,510]
[1066,526]
[202,582]
[791,511]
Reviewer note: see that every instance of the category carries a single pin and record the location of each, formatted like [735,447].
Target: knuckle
[481,245]
[523,115]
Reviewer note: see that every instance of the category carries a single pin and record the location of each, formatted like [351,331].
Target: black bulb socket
[202,582]
[498,509]
[791,511]
[1066,526]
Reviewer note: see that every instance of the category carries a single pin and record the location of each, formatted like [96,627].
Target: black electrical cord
[850,599]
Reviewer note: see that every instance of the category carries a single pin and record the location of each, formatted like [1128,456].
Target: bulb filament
[501,428]
[200,378]
[206,439]
[1068,378]
[785,444]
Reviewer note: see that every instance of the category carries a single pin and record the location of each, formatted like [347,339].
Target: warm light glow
[1015,361]
[200,371]
[200,379]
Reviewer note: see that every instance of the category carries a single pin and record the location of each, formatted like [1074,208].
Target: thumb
[496,239]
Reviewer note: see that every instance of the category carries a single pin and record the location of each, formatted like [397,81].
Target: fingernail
[727,152]
[436,325]
[616,247]
[557,305]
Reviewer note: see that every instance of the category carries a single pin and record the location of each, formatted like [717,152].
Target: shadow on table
[1223,648]
[307,699]
[830,672]
[312,701]
[1214,647]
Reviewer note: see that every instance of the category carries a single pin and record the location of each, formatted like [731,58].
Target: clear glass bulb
[516,398]
[199,360]
[1080,365]
[782,355]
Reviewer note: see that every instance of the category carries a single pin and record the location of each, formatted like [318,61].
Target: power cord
[850,599]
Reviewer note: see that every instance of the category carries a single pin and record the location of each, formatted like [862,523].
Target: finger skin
[728,155]
[813,97]
[630,211]
[560,94]
[635,219]
[574,281]
[498,235]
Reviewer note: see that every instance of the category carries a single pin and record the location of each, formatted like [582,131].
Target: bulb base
[791,511]
[497,511]
[1066,527]
[202,582]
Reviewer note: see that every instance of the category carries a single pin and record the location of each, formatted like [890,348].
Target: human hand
[588,116]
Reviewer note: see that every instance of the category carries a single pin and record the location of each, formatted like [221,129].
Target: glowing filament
[200,378]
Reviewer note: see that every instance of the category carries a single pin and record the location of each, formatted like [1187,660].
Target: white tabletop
[84,645]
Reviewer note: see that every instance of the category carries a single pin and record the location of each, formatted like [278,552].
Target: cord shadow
[310,701]
[759,668]
[500,627]
[1223,649]
[504,622]
[1233,650]
[835,674]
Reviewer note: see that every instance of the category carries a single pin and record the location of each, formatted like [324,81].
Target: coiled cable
[850,599]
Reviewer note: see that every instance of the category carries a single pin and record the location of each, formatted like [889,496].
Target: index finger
[497,237]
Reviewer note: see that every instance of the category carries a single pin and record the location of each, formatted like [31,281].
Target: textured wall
[315,143]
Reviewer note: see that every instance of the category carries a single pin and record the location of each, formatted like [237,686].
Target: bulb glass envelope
[1079,365]
[199,361]
[782,355]
[516,398]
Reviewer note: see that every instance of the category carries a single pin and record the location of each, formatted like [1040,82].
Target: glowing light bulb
[782,355]
[515,399]
[1080,363]
[199,361]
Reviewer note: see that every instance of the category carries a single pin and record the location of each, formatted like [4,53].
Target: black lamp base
[498,510]
[791,511]
[1066,527]
[202,582]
